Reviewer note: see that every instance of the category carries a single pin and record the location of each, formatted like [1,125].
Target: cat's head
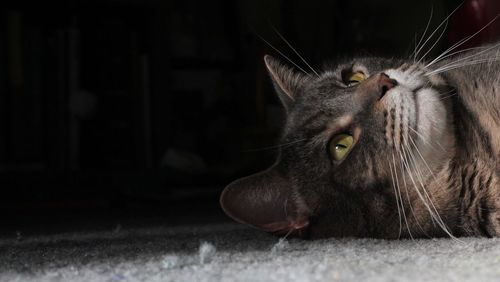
[354,141]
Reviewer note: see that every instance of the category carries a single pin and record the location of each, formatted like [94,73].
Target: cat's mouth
[411,78]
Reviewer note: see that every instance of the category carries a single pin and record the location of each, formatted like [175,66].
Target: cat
[382,148]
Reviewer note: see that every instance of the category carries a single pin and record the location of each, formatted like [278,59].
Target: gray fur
[425,162]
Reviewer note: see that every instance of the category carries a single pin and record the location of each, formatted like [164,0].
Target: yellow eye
[355,78]
[340,146]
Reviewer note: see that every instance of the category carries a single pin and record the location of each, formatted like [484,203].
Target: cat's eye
[340,146]
[355,78]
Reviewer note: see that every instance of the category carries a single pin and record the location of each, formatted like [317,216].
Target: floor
[232,252]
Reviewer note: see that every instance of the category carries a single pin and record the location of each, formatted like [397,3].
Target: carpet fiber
[230,252]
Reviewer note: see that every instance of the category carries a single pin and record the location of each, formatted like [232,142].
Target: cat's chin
[434,132]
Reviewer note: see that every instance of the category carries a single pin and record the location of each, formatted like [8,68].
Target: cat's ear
[265,200]
[286,80]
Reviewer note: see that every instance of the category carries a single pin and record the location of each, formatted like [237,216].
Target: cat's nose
[385,83]
[375,87]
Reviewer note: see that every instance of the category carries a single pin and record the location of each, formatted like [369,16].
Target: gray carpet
[237,253]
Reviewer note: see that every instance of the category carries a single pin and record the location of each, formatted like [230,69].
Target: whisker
[425,140]
[406,163]
[293,49]
[276,146]
[419,174]
[283,55]
[446,93]
[414,55]
[411,157]
[284,207]
[437,28]
[411,205]
[455,63]
[456,53]
[423,159]
[434,213]
[435,43]
[446,97]
[397,200]
[413,45]
[287,234]
[451,48]
[463,64]
[460,43]
[408,195]
[401,197]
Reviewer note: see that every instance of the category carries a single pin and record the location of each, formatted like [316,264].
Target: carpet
[231,252]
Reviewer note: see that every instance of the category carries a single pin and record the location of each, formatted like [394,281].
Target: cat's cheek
[431,118]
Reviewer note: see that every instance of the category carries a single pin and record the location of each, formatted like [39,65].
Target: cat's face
[354,141]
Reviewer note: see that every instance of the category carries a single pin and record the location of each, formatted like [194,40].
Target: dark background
[120,113]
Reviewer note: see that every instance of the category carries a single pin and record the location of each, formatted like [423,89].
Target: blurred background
[120,113]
